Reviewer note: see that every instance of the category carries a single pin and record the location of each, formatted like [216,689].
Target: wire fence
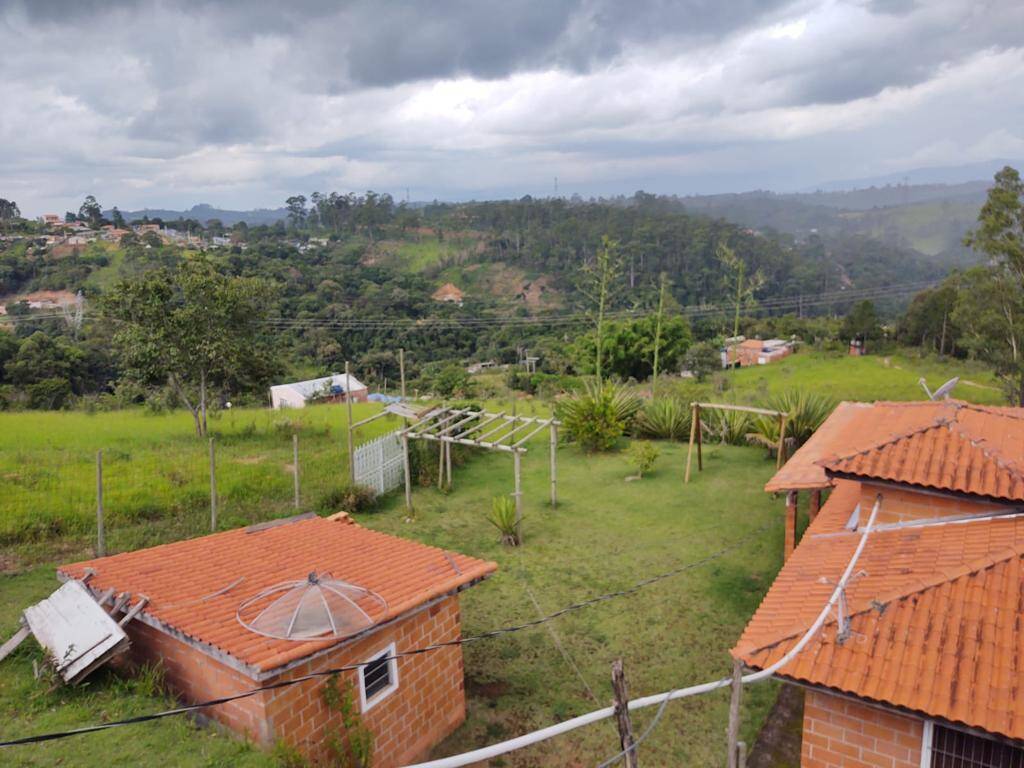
[132,490]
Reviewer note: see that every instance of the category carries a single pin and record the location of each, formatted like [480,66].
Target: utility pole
[351,449]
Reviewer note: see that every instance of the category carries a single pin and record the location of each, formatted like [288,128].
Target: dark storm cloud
[370,43]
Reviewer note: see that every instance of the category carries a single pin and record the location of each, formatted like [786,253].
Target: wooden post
[295,467]
[622,719]
[517,466]
[213,488]
[693,434]
[790,543]
[440,465]
[351,440]
[448,463]
[815,504]
[734,714]
[741,754]
[408,474]
[700,442]
[401,369]
[101,533]
[554,465]
[780,452]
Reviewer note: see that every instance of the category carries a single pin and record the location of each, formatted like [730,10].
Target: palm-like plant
[503,517]
[597,416]
[666,418]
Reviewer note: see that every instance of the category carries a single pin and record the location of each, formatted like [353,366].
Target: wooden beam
[480,424]
[815,504]
[700,442]
[517,466]
[16,639]
[470,416]
[425,430]
[351,436]
[744,408]
[448,462]
[780,452]
[790,541]
[474,443]
[693,432]
[509,434]
[408,473]
[363,422]
[532,433]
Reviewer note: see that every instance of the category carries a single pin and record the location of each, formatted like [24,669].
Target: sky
[241,103]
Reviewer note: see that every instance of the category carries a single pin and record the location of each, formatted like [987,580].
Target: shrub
[702,359]
[729,427]
[666,418]
[807,411]
[598,416]
[503,517]
[642,456]
[348,498]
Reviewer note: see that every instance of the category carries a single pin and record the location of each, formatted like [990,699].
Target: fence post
[295,466]
[408,473]
[351,449]
[101,534]
[380,465]
[554,465]
[733,733]
[213,489]
[401,368]
[622,719]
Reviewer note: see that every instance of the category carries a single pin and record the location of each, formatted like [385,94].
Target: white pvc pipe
[519,742]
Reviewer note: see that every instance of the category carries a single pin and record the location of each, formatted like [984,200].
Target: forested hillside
[354,277]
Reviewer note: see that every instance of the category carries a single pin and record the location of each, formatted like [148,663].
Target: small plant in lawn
[599,415]
[642,455]
[503,517]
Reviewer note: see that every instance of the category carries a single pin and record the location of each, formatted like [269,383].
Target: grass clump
[666,418]
[598,416]
[503,517]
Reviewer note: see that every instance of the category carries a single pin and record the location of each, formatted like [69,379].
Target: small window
[378,677]
[955,749]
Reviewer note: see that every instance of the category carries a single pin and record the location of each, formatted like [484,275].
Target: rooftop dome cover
[317,607]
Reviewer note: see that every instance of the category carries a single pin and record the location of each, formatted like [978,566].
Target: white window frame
[367,704]
[926,744]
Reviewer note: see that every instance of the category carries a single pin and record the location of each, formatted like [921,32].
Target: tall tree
[296,206]
[90,212]
[194,329]
[597,284]
[8,211]
[117,219]
[1000,231]
[662,284]
[740,287]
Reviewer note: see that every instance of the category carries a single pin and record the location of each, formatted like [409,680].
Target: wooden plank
[479,425]
[522,440]
[17,639]
[75,630]
[700,442]
[622,719]
[744,408]
[733,731]
[693,434]
[143,600]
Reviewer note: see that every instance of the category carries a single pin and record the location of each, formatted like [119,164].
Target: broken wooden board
[78,634]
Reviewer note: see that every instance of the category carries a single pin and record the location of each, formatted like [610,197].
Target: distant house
[918,664]
[40,300]
[267,604]
[328,389]
[142,229]
[448,293]
[51,219]
[743,352]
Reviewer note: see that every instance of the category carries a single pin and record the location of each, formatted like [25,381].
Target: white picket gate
[379,463]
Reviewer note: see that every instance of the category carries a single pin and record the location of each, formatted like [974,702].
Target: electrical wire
[636,587]
[643,736]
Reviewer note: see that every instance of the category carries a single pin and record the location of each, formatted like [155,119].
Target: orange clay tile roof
[184,580]
[935,616]
[942,457]
[857,427]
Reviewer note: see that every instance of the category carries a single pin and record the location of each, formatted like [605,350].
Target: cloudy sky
[241,103]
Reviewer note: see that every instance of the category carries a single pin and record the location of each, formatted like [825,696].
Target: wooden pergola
[696,437]
[480,429]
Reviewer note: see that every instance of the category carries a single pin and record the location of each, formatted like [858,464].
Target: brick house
[756,352]
[922,665]
[193,627]
[448,293]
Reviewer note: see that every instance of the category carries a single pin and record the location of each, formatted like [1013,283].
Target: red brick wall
[195,676]
[908,504]
[843,733]
[428,704]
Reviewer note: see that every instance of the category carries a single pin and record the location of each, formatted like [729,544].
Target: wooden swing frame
[696,436]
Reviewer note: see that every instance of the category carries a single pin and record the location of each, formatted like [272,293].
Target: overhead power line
[636,587]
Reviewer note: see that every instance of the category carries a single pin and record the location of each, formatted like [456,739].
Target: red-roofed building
[922,665]
[449,293]
[195,625]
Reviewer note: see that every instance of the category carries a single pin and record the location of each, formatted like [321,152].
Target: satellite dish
[943,392]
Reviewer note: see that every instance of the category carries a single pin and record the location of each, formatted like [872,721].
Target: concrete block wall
[844,733]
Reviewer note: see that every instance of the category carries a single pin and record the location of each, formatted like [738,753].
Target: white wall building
[298,393]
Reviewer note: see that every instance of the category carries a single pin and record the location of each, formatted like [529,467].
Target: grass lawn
[156,474]
[604,535]
[872,377]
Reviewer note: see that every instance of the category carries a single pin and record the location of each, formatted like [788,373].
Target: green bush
[348,498]
[642,456]
[599,415]
[503,517]
[666,418]
[807,411]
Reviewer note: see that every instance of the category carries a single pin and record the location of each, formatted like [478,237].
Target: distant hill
[204,212]
[937,175]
